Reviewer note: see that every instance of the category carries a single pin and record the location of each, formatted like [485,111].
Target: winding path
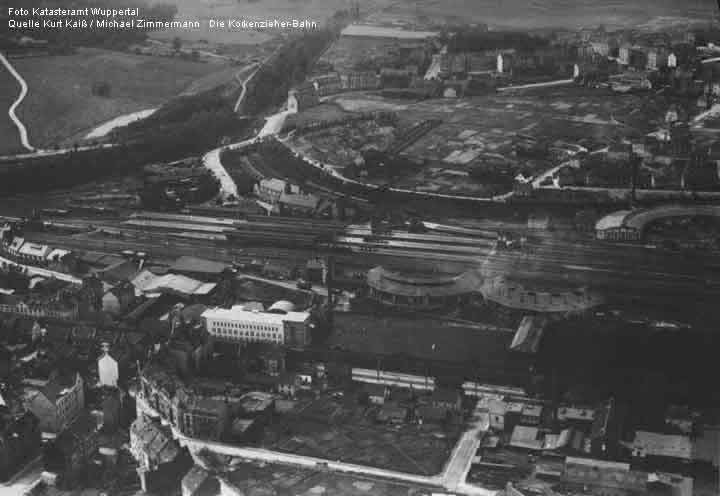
[11,111]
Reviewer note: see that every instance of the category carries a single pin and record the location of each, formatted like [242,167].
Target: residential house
[376,394]
[605,477]
[74,448]
[496,409]
[663,446]
[19,442]
[58,402]
[302,98]
[162,462]
[657,58]
[34,252]
[327,84]
[526,437]
[298,203]
[392,413]
[531,414]
[203,418]
[619,152]
[449,399]
[270,190]
[199,482]
[427,414]
[273,360]
[117,300]
[360,80]
[114,365]
[287,384]
[575,416]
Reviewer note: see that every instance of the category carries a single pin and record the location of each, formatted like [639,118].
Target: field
[315,10]
[472,152]
[261,480]
[347,431]
[528,14]
[60,104]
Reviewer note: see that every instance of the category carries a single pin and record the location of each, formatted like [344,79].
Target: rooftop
[156,441]
[238,313]
[148,282]
[198,265]
[667,445]
[387,281]
[612,221]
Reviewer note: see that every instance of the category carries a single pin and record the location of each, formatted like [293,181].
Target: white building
[109,368]
[33,251]
[244,326]
[672,60]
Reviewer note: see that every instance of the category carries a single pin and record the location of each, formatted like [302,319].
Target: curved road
[11,111]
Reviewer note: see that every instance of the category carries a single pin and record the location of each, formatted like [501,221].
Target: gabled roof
[199,482]
[157,442]
[666,445]
[82,427]
[58,386]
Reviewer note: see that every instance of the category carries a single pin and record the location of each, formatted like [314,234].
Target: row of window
[244,325]
[248,335]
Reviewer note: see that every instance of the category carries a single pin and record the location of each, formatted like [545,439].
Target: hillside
[60,103]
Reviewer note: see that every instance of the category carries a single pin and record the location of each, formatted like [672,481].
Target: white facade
[240,325]
[292,102]
[672,60]
[108,371]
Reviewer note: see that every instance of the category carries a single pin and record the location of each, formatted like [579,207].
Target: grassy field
[315,10]
[60,104]
[347,431]
[9,138]
[554,13]
[261,480]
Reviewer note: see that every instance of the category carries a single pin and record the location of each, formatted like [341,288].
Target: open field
[480,134]
[9,138]
[60,103]
[203,11]
[347,431]
[528,14]
[261,480]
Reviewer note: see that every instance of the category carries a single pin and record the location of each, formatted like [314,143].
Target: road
[559,82]
[52,153]
[286,284]
[456,470]
[37,271]
[123,120]
[24,480]
[11,111]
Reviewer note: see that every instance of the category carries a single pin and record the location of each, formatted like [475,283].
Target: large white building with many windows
[237,325]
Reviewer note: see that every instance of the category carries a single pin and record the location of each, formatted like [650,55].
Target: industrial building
[420,292]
